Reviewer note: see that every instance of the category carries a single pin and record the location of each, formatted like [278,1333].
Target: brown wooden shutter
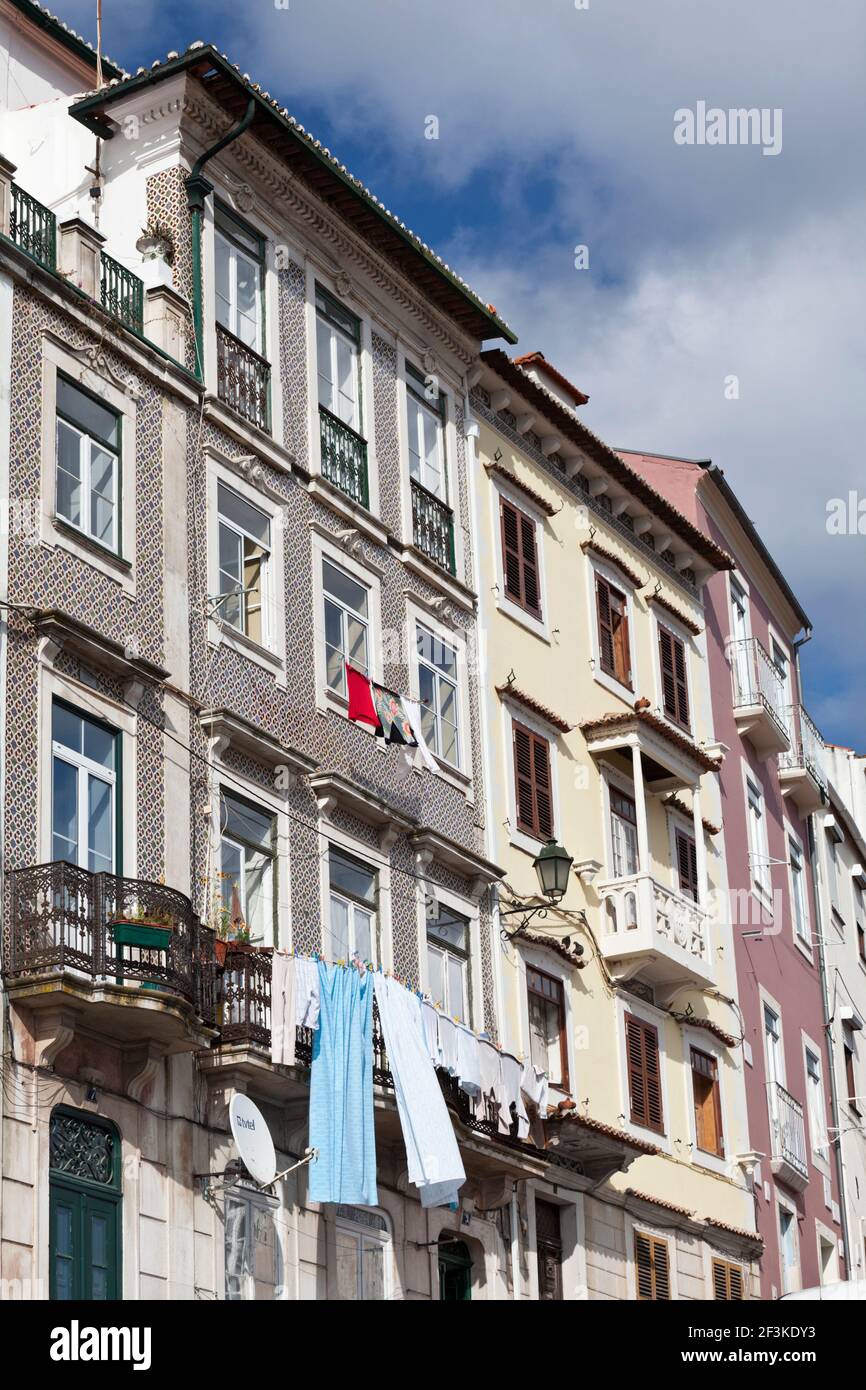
[707,1101]
[727,1281]
[644,1073]
[532,782]
[605,625]
[687,864]
[675,688]
[652,1267]
[511,551]
[520,558]
[531,587]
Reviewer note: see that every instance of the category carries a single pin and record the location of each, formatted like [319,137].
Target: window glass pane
[236,1248]
[351,877]
[347,409]
[258,871]
[436,652]
[416,434]
[231,871]
[98,744]
[99,826]
[456,990]
[357,635]
[449,929]
[67,728]
[68,473]
[247,281]
[373,1270]
[102,499]
[87,413]
[331,309]
[363,942]
[244,515]
[64,812]
[98,1257]
[222,274]
[335,655]
[436,975]
[342,587]
[323,358]
[348,1264]
[230,576]
[63,1252]
[246,822]
[340,928]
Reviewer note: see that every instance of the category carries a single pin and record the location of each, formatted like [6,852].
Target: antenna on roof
[99,81]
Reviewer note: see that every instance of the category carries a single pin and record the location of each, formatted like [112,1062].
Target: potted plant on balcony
[231,929]
[151,930]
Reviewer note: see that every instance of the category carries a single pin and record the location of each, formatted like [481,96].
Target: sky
[707,262]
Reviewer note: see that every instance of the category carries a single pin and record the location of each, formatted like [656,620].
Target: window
[727,1281]
[652,1267]
[798,891]
[338,355]
[759,857]
[520,558]
[644,1073]
[547,1032]
[850,1078]
[353,900]
[346,625]
[832,870]
[455,1271]
[425,409]
[773,1047]
[687,864]
[88,464]
[675,686]
[363,1254]
[532,780]
[244,548]
[548,1246]
[247,866]
[437,685]
[85,757]
[253,1250]
[623,832]
[84,1211]
[788,1248]
[448,943]
[815,1104]
[708,1104]
[861,943]
[613,642]
[239,274]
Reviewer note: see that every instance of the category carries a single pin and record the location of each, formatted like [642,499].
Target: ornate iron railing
[344,457]
[243,379]
[433,527]
[756,679]
[807,746]
[33,228]
[122,293]
[789,1131]
[60,917]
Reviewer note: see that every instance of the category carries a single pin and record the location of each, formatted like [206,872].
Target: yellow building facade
[598,733]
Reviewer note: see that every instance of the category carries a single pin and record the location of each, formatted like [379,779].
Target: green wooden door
[455,1273]
[84,1244]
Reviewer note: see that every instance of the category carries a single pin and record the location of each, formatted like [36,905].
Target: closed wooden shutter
[687,864]
[532,782]
[728,1284]
[520,558]
[652,1267]
[644,1073]
[613,643]
[675,688]
[707,1100]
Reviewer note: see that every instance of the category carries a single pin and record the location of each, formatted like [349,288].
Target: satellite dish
[253,1140]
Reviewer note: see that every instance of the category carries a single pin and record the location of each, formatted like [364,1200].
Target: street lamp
[552,865]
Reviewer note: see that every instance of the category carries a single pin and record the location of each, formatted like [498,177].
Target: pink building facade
[772,779]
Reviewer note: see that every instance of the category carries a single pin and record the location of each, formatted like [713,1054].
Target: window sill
[224,635]
[522,839]
[416,561]
[622,692]
[805,951]
[527,620]
[361,517]
[104,552]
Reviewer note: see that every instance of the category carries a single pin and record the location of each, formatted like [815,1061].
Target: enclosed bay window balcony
[344,457]
[801,769]
[759,697]
[650,930]
[127,956]
[243,379]
[789,1157]
[433,527]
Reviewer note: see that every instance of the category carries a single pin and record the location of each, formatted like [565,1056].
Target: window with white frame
[353,893]
[439,695]
[88,464]
[425,410]
[623,833]
[548,1048]
[338,357]
[448,956]
[247,867]
[244,550]
[798,891]
[788,1248]
[363,1244]
[347,619]
[84,770]
[832,870]
[815,1103]
[254,1260]
[759,854]
[238,278]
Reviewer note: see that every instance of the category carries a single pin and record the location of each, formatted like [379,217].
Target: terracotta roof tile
[685,745]
[683,618]
[534,706]
[535,497]
[735,1230]
[552,943]
[614,559]
[658,1202]
[683,809]
[707,1024]
[573,1117]
[538,359]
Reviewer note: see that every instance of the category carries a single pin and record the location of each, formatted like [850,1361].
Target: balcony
[433,527]
[788,1160]
[33,228]
[121,293]
[243,379]
[801,769]
[759,697]
[344,457]
[652,931]
[127,955]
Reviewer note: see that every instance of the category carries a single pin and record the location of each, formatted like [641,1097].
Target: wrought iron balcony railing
[33,228]
[344,457]
[756,679]
[788,1130]
[433,527]
[807,746]
[122,293]
[243,379]
[107,928]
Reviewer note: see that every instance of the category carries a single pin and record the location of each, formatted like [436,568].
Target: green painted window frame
[226,221]
[87,1197]
[87,539]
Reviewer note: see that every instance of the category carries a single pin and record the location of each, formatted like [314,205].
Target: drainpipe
[515,1243]
[197,190]
[831,1053]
